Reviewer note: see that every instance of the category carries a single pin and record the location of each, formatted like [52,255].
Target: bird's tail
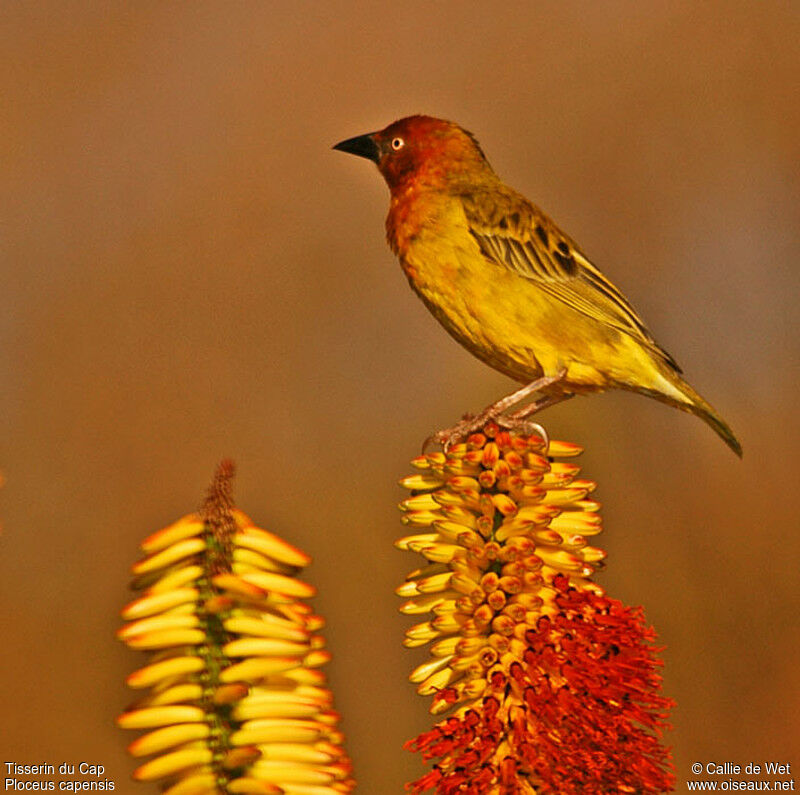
[696,404]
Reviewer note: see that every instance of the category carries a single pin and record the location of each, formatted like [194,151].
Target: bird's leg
[518,421]
[469,424]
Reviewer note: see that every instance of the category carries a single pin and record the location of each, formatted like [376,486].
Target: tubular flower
[553,686]
[236,701]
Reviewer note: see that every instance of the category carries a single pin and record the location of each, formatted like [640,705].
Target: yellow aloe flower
[552,687]
[236,700]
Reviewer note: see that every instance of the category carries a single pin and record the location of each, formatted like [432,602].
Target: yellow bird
[507,283]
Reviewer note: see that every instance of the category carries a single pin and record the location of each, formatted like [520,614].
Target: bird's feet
[517,421]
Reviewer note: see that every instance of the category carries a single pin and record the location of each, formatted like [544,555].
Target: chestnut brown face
[417,147]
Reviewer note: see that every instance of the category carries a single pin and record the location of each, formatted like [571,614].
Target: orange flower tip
[157,623]
[201,783]
[174,694]
[151,604]
[241,518]
[272,546]
[158,582]
[172,763]
[166,639]
[419,518]
[255,786]
[283,730]
[279,583]
[593,554]
[165,669]
[421,482]
[186,527]
[239,757]
[314,623]
[564,496]
[228,694]
[414,642]
[264,647]
[420,502]
[435,583]
[307,676]
[237,586]
[151,717]
[168,737]
[169,556]
[422,672]
[559,449]
[289,774]
[584,483]
[504,504]
[462,483]
[317,658]
[255,668]
[220,603]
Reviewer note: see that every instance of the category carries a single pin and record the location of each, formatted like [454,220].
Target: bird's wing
[515,234]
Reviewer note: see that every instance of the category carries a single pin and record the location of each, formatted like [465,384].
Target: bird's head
[420,150]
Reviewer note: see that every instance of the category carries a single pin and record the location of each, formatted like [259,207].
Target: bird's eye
[398,143]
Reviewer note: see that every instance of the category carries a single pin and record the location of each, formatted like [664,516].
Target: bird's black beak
[361,145]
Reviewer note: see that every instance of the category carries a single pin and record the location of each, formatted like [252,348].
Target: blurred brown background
[189,271]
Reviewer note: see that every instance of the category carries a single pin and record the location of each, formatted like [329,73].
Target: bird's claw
[517,421]
[447,437]
[524,427]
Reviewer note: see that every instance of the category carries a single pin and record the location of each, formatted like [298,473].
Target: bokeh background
[189,272]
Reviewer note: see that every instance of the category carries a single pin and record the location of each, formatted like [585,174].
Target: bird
[508,284]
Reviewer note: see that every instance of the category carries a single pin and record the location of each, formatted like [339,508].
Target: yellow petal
[421,502]
[175,666]
[438,582]
[245,785]
[276,731]
[167,638]
[297,752]
[172,763]
[171,695]
[272,546]
[150,717]
[264,647]
[238,586]
[266,627]
[422,672]
[204,783]
[563,496]
[289,586]
[563,449]
[172,554]
[256,560]
[421,482]
[176,578]
[228,694]
[257,668]
[168,737]
[438,681]
[406,542]
[285,708]
[283,773]
[158,603]
[559,559]
[185,527]
[158,623]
